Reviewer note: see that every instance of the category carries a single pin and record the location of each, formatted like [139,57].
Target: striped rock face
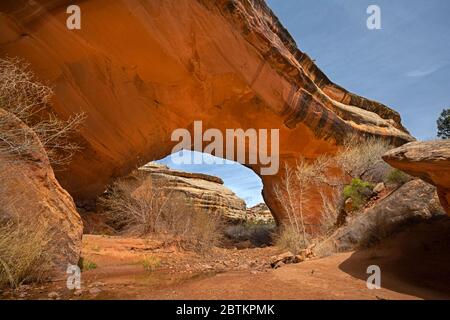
[193,191]
[141,69]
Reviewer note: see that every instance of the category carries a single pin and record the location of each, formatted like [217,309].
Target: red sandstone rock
[140,69]
[429,161]
[29,193]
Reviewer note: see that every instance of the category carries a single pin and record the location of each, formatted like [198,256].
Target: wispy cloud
[426,71]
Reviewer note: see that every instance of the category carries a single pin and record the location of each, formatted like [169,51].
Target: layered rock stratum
[193,191]
[141,69]
[429,160]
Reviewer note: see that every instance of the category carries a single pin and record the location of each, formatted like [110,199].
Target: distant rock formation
[204,193]
[429,161]
[259,213]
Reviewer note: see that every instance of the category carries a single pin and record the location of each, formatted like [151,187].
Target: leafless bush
[147,211]
[23,96]
[23,257]
[15,140]
[259,234]
[332,203]
[358,156]
[295,194]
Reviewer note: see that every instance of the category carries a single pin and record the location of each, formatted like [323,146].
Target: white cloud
[425,71]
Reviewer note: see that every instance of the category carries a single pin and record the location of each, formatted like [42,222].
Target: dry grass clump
[27,99]
[23,255]
[151,263]
[289,238]
[147,210]
[397,177]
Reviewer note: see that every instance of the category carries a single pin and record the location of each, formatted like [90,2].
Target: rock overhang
[228,63]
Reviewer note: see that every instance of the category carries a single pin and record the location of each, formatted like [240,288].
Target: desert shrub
[290,239]
[332,204]
[359,191]
[397,177]
[30,101]
[297,194]
[237,232]
[358,156]
[258,234]
[86,264]
[294,193]
[151,263]
[147,210]
[23,255]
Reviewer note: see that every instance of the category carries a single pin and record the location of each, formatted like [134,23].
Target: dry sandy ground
[414,265]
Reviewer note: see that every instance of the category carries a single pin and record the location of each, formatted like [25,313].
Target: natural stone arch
[141,69]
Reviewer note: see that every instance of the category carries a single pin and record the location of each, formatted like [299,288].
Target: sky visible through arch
[405,65]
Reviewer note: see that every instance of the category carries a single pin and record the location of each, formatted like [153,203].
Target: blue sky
[405,65]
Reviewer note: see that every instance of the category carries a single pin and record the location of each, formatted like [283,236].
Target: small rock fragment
[53,295]
[379,187]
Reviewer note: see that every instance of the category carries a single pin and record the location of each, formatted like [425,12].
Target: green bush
[397,177]
[86,264]
[359,191]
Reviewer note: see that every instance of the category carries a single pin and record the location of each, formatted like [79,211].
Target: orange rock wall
[140,69]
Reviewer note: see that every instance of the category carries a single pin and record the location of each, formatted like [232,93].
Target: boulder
[379,187]
[429,160]
[229,63]
[30,194]
[284,258]
[413,202]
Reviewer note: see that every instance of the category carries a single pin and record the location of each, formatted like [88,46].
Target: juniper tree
[443,124]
